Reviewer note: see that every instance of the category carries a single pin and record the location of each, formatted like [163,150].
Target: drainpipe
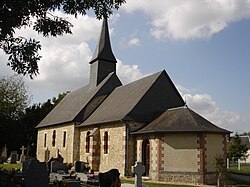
[127,149]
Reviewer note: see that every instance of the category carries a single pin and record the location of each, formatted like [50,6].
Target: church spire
[103,61]
[103,49]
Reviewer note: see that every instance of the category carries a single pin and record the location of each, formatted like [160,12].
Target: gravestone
[35,174]
[26,165]
[22,156]
[81,167]
[46,155]
[4,155]
[138,169]
[59,156]
[13,157]
[110,178]
[58,167]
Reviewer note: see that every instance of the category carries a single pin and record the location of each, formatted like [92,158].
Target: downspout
[127,150]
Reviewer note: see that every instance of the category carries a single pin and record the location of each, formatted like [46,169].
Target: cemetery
[22,170]
[53,173]
[27,172]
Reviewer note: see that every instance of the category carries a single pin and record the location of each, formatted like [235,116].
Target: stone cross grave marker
[22,156]
[138,169]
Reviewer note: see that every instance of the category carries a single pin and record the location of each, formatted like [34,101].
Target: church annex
[111,125]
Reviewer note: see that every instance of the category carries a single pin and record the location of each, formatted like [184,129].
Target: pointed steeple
[103,49]
[103,61]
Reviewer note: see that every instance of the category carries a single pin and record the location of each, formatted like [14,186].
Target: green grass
[150,184]
[244,168]
[10,166]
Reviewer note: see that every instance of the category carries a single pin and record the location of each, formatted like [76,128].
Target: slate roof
[142,100]
[153,100]
[181,119]
[75,102]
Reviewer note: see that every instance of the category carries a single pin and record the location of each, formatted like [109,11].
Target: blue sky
[203,45]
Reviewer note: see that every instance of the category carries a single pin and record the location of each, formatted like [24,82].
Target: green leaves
[52,26]
[13,97]
[236,149]
[23,55]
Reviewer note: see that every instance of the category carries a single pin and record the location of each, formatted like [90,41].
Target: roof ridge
[194,115]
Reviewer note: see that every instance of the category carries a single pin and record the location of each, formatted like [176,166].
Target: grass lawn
[244,168]
[10,166]
[150,184]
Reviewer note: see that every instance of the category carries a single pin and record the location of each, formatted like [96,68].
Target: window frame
[105,142]
[64,136]
[45,140]
[87,142]
[53,138]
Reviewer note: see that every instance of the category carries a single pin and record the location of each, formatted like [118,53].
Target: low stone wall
[210,178]
[179,177]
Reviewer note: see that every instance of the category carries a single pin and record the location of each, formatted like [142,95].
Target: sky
[204,45]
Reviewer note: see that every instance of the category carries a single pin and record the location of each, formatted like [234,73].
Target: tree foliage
[15,14]
[245,134]
[236,149]
[14,98]
[17,119]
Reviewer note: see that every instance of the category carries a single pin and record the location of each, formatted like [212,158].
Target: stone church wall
[183,158]
[173,157]
[215,146]
[177,147]
[180,157]
[115,157]
[67,152]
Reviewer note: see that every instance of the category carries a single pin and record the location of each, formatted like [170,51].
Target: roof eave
[180,131]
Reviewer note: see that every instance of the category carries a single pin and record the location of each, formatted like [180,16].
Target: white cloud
[133,42]
[185,19]
[206,106]
[128,73]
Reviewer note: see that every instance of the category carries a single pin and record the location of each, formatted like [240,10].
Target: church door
[146,155]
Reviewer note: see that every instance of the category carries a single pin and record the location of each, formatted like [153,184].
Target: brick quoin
[202,151]
[95,153]
[160,157]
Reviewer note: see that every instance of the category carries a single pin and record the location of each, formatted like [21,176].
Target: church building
[110,125]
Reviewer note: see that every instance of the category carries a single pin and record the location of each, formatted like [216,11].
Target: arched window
[87,142]
[54,138]
[106,137]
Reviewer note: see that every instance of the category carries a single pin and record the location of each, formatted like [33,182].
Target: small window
[54,139]
[64,138]
[45,140]
[106,142]
[87,141]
